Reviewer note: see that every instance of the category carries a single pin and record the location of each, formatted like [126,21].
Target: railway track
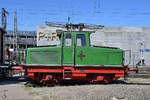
[140,72]
[40,85]
[139,75]
[137,83]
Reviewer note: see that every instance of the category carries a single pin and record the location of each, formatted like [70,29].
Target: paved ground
[13,90]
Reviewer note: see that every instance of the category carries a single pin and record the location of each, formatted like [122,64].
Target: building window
[68,40]
[81,41]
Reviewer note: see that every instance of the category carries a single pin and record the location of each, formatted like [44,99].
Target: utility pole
[15,37]
[15,31]
[68,20]
[4,23]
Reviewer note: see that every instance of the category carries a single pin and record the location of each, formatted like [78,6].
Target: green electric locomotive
[75,59]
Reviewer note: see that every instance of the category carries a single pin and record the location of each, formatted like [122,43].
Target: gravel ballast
[93,92]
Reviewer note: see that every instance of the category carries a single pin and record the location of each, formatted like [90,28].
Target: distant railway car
[75,59]
[4,68]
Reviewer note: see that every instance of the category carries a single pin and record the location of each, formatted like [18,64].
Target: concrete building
[25,39]
[127,38]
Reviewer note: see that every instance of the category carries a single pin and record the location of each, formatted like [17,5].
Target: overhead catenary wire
[100,12]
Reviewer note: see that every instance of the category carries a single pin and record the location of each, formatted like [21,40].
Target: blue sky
[124,13]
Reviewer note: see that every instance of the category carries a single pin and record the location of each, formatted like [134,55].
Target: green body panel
[99,56]
[75,55]
[67,56]
[44,55]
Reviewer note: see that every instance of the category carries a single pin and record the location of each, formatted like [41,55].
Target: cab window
[81,41]
[68,40]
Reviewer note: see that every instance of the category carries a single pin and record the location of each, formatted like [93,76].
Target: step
[67,71]
[67,78]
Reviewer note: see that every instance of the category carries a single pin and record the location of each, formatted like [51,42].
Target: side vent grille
[50,57]
[44,57]
[35,57]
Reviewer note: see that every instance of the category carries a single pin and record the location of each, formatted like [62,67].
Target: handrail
[129,57]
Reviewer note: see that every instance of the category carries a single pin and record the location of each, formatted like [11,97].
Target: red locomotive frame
[54,74]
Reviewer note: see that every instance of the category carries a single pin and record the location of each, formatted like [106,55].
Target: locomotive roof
[80,32]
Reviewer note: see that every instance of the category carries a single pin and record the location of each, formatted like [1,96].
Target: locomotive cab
[75,43]
[78,51]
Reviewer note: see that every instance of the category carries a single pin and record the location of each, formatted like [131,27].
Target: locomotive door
[81,49]
[68,51]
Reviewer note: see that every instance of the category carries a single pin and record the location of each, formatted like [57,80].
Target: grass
[27,88]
